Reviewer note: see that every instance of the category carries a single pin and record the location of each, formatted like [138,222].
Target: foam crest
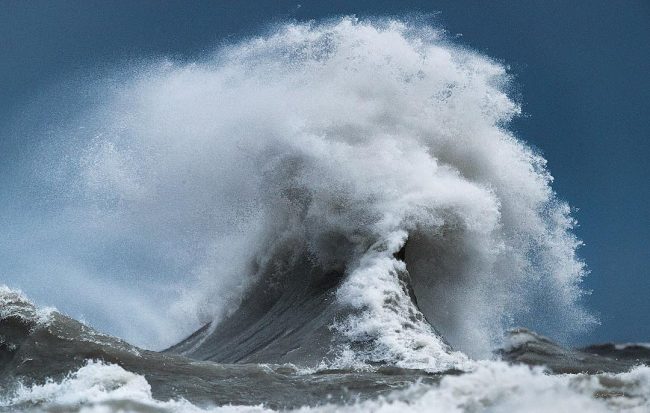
[13,303]
[102,388]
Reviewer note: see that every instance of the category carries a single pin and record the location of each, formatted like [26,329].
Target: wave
[344,191]
[52,363]
[99,387]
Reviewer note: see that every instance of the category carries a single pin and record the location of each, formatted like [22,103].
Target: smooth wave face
[282,177]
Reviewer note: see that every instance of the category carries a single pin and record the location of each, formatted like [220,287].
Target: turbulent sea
[334,216]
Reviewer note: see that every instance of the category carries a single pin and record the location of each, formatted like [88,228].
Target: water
[333,216]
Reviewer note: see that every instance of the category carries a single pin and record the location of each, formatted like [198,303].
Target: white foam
[500,388]
[98,387]
[492,387]
[14,303]
[386,323]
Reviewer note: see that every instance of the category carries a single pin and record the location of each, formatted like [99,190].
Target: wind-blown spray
[337,144]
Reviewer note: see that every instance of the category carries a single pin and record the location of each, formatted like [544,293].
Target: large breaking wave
[349,186]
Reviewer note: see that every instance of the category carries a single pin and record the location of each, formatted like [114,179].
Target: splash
[339,143]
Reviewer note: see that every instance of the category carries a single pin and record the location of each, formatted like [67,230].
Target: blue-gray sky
[582,70]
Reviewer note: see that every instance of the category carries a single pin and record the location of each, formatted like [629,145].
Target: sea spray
[314,143]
